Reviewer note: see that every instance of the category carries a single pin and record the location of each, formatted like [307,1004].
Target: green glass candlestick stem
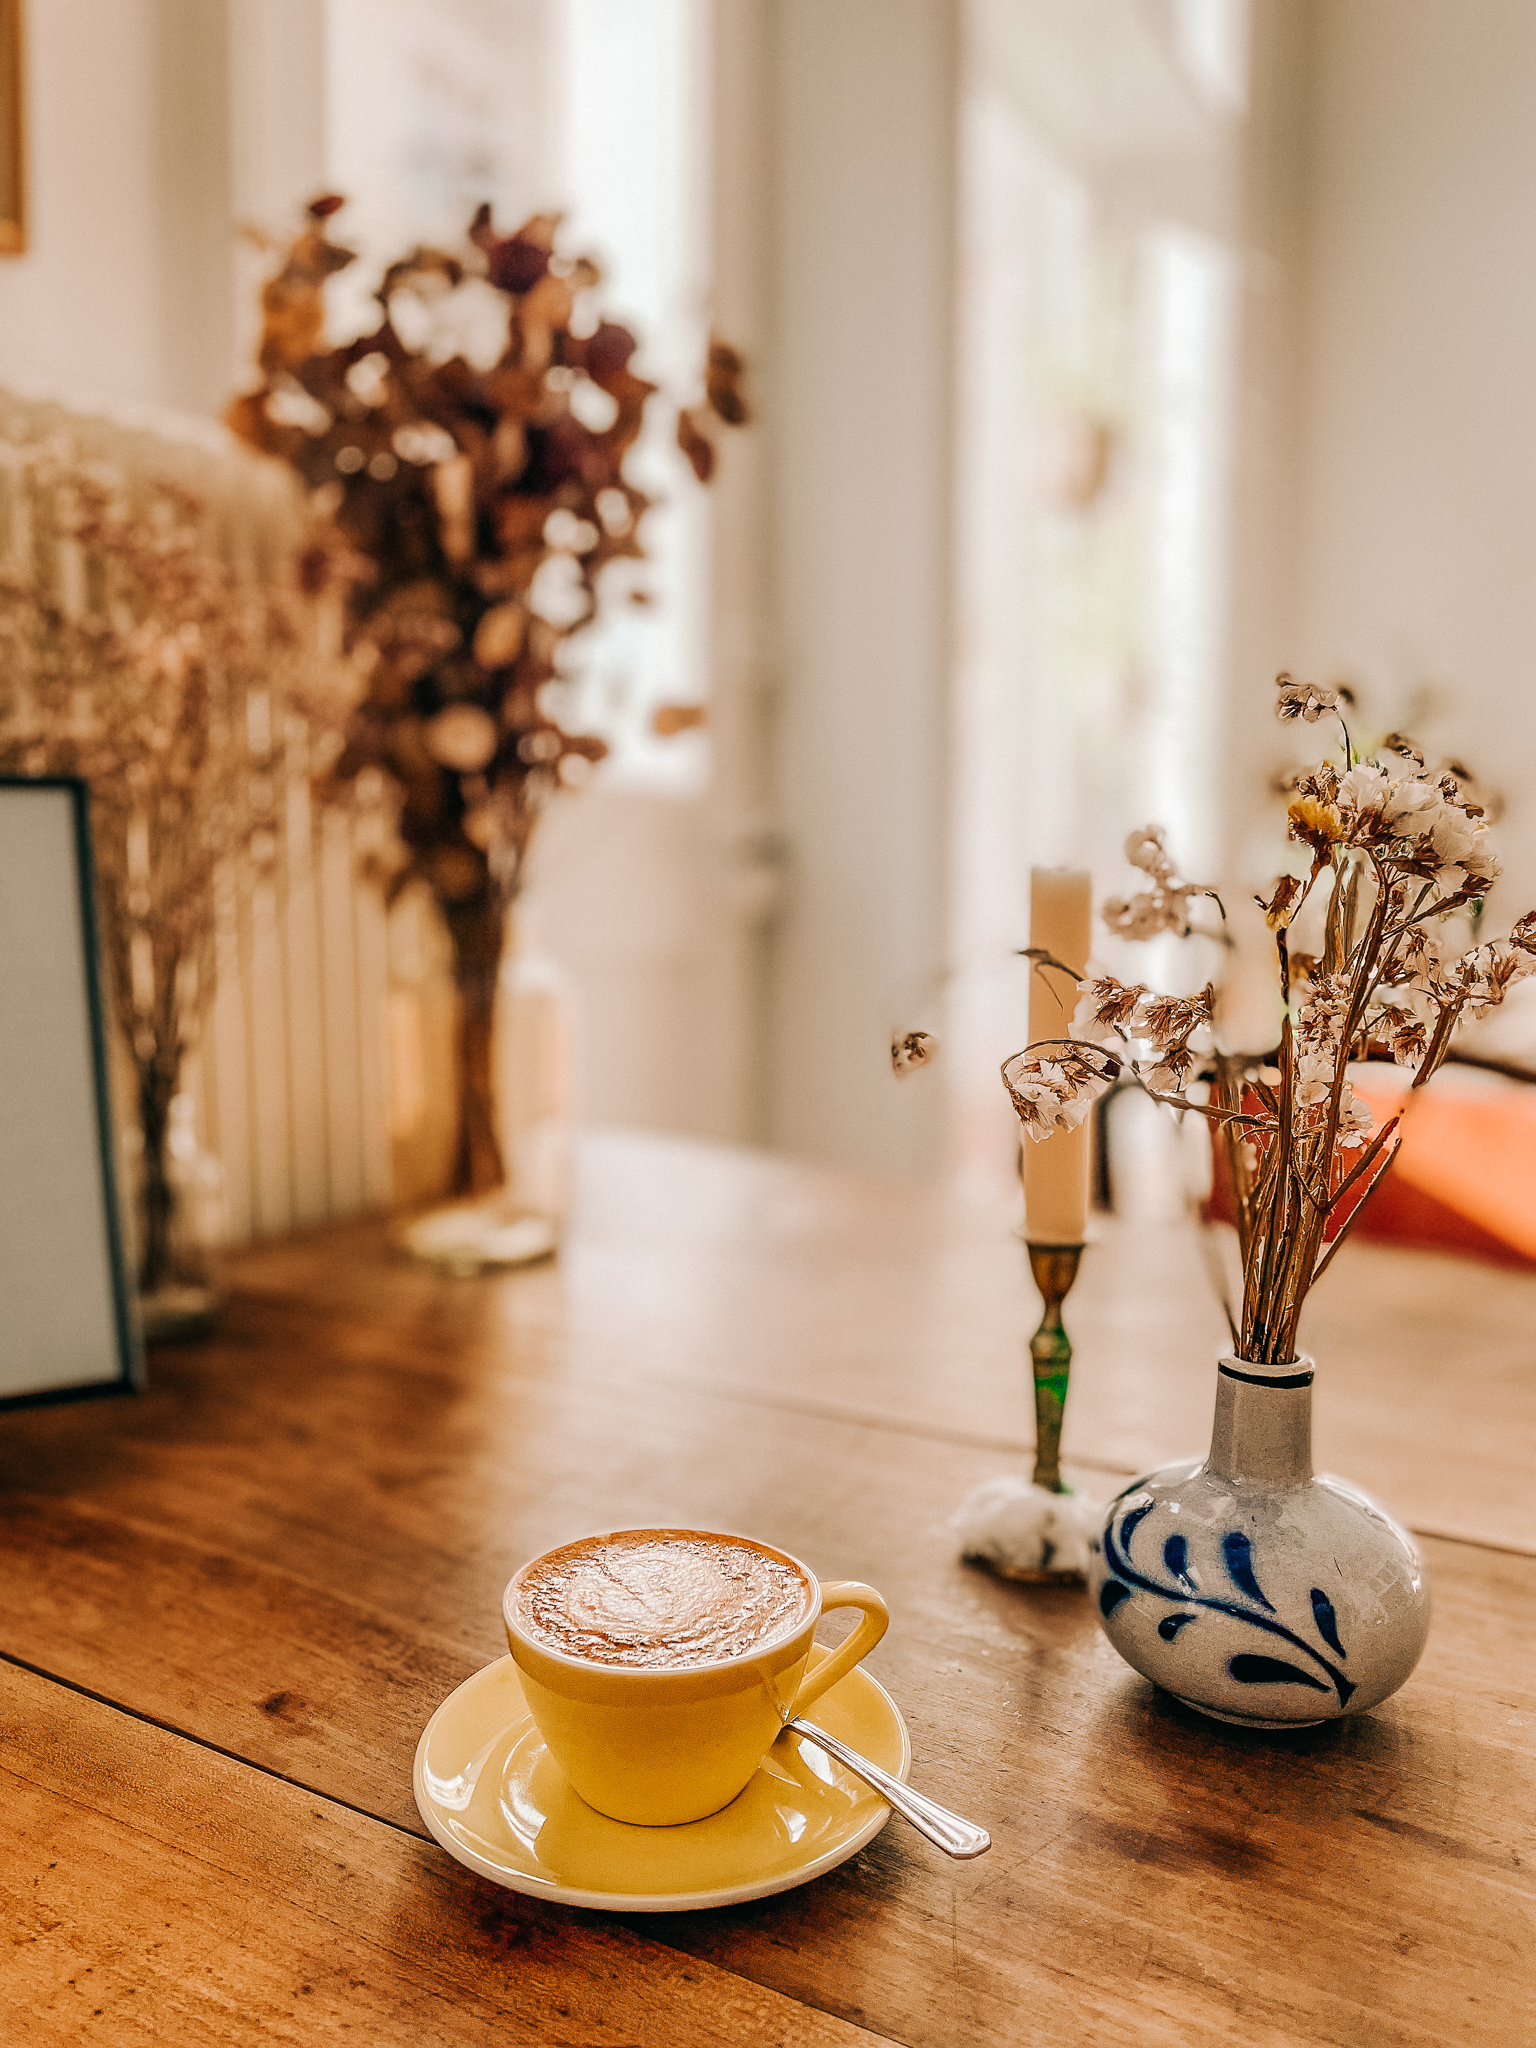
[1055,1268]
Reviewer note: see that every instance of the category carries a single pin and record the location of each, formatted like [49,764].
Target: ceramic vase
[524,1097]
[1250,1589]
[533,1060]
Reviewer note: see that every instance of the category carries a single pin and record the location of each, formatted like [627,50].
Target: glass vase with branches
[133,656]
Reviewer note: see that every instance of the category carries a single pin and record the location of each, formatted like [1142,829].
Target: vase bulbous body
[1249,1588]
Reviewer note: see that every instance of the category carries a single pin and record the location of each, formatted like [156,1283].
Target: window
[597,109]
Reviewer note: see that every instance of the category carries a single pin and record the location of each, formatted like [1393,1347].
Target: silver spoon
[956,1837]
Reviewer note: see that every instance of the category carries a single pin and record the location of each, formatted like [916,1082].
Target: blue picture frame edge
[130,1348]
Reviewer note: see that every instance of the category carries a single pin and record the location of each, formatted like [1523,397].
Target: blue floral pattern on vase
[1250,1587]
[1180,1589]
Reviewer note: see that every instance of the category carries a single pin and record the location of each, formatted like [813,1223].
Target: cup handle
[877,1619]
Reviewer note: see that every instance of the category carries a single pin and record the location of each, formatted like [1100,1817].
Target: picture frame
[68,1330]
[13,133]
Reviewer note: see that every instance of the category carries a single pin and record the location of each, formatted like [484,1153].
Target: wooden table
[227,1610]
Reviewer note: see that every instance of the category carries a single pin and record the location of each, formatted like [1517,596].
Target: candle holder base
[1026,1533]
[478,1237]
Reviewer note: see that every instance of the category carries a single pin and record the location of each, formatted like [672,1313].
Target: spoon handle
[956,1837]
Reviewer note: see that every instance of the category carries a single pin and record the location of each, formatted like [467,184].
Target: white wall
[81,306]
[1417,497]
[658,905]
[1100,311]
[158,125]
[858,408]
[277,144]
[125,289]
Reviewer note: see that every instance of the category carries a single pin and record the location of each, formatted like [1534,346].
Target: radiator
[289,1072]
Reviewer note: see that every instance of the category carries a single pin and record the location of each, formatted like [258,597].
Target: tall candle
[1056,1168]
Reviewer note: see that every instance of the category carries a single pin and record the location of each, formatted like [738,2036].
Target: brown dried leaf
[670,719]
[457,872]
[1280,908]
[697,446]
[723,376]
[499,635]
[445,654]
[606,354]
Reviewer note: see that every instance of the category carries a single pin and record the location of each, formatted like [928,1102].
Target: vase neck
[1262,1434]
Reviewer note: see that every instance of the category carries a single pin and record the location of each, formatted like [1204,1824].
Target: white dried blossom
[1165,907]
[1320,1018]
[1059,1104]
[1355,1119]
[1162,1024]
[1364,787]
[1147,915]
[1107,1005]
[1448,837]
[1146,848]
[1314,1076]
[1169,1022]
[911,1050]
[1425,962]
[1454,837]
[1320,1021]
[1056,1094]
[1482,866]
[1417,823]
[1410,803]
[1170,1076]
[1135,1011]
[1489,972]
[1303,700]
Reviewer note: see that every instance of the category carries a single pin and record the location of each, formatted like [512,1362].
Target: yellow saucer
[494,1797]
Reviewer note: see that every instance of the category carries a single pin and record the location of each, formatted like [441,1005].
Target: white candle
[1056,1168]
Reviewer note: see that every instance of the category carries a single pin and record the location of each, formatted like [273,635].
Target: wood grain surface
[228,1609]
[176,1895]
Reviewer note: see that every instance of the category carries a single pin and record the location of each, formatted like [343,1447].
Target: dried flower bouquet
[132,656]
[471,450]
[1397,851]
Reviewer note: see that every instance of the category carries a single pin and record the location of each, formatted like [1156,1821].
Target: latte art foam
[665,1599]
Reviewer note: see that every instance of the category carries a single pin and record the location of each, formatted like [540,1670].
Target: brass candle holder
[1054,1267]
[1003,1522]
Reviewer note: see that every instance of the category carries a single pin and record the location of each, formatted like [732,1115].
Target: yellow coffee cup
[658,1746]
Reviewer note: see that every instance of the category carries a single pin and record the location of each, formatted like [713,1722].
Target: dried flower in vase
[1397,849]
[132,656]
[471,450]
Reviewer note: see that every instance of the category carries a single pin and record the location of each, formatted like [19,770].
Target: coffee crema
[660,1599]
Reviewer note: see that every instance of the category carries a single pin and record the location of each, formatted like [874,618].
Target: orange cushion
[1474,1156]
[1464,1178]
